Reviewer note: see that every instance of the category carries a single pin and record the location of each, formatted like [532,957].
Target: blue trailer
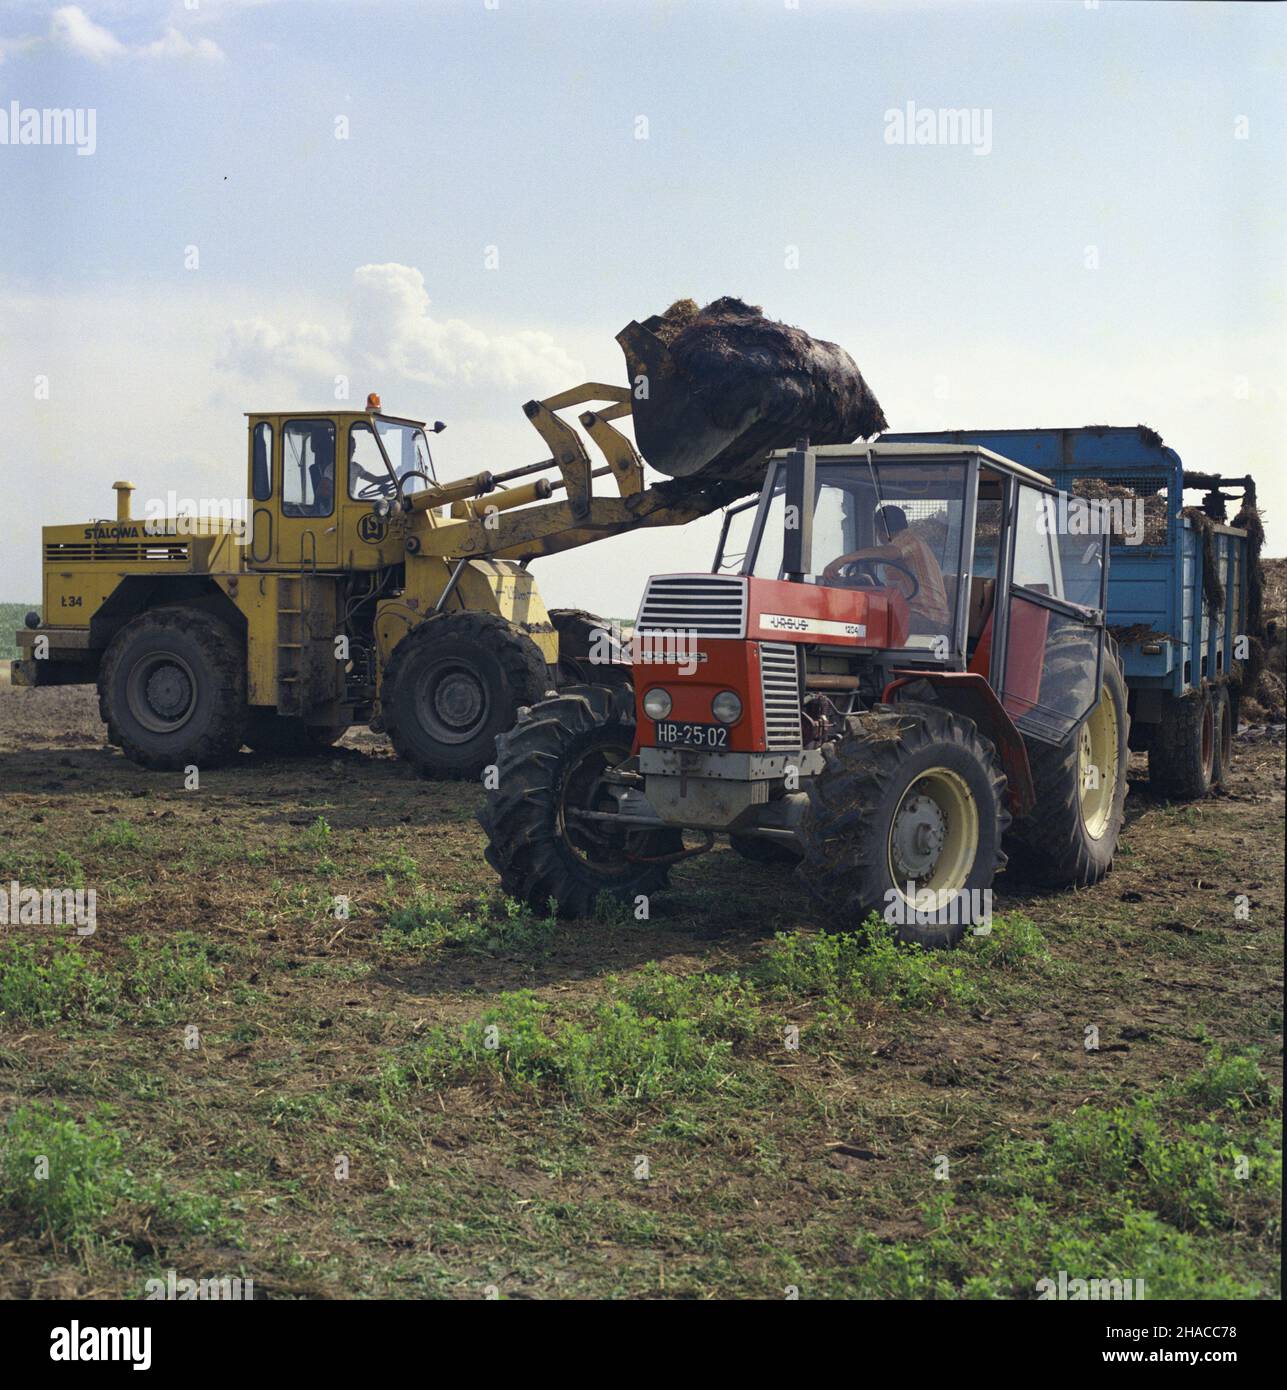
[1184,640]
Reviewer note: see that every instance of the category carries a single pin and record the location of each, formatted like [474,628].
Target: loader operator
[918,576]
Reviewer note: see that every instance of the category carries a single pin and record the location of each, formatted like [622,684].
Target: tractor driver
[919,580]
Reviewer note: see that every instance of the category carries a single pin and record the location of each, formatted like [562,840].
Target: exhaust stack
[123,493]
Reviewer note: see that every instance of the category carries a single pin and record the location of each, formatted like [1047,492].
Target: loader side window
[308,468]
[262,462]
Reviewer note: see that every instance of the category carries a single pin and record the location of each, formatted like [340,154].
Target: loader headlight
[726,707]
[657,703]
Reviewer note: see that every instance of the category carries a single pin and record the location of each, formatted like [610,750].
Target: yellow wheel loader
[364,590]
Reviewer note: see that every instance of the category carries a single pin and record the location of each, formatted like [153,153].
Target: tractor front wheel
[904,819]
[454,683]
[172,689]
[545,839]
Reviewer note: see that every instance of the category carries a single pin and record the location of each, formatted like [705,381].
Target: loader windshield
[894,526]
[408,451]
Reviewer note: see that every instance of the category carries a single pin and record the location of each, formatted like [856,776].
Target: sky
[459,204]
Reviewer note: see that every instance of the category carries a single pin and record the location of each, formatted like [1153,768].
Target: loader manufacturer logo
[372,529]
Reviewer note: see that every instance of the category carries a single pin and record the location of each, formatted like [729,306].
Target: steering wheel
[848,568]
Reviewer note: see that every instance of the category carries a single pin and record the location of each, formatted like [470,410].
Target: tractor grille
[780,684]
[705,605]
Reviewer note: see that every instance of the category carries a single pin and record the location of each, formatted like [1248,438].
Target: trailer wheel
[759,849]
[1070,836]
[1222,711]
[914,796]
[1182,760]
[282,736]
[172,689]
[581,640]
[549,773]
[454,683]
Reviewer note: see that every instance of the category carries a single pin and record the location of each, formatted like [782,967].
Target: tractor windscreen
[888,526]
[408,451]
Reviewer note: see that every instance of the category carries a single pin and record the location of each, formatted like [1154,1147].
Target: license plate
[673,733]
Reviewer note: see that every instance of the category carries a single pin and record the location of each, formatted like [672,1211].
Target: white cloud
[389,331]
[173,44]
[70,27]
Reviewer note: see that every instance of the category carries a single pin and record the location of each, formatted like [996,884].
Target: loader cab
[971,548]
[324,484]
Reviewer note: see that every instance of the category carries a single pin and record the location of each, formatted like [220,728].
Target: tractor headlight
[726,707]
[657,703]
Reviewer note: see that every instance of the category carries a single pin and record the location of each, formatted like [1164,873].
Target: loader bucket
[673,428]
[713,400]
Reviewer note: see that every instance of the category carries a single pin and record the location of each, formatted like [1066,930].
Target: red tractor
[903,670]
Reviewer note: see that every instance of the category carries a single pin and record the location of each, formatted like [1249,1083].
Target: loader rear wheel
[549,773]
[454,683]
[583,638]
[1182,759]
[912,797]
[282,736]
[1070,836]
[172,689]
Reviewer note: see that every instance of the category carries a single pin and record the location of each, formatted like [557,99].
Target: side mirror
[438,427]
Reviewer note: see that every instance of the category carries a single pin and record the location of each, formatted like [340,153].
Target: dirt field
[229,1078]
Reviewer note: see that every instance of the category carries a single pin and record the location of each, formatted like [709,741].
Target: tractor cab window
[894,527]
[308,468]
[408,451]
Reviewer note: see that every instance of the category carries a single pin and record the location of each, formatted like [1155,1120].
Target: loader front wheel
[454,683]
[1070,836]
[543,836]
[905,820]
[172,689]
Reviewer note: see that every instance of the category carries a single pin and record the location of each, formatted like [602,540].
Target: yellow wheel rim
[1097,765]
[933,838]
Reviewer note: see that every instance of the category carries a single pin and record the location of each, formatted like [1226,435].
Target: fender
[968,693]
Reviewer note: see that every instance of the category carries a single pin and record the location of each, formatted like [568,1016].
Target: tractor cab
[963,550]
[323,486]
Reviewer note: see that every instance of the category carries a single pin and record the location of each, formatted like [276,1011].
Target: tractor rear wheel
[583,638]
[282,736]
[549,775]
[1070,836]
[172,689]
[907,814]
[454,683]
[1182,758]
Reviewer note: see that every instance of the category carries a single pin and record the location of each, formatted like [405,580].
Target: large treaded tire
[1182,759]
[846,830]
[1054,844]
[546,764]
[577,642]
[215,679]
[492,666]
